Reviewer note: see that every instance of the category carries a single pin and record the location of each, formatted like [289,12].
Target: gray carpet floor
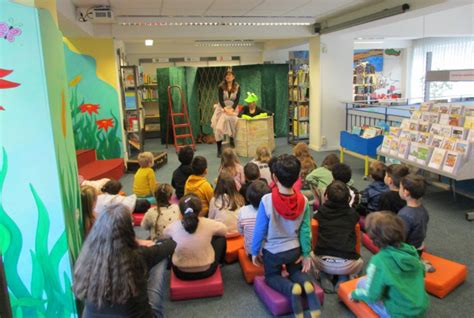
[449,236]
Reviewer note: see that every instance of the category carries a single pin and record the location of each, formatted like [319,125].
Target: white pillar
[315,93]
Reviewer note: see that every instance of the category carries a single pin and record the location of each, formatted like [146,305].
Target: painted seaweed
[46,297]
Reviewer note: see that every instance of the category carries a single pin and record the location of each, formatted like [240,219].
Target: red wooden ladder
[182,124]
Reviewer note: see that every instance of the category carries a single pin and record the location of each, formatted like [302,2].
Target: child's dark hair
[377,170]
[185,155]
[256,191]
[287,169]
[415,184]
[251,171]
[226,185]
[271,163]
[396,172]
[338,192]
[112,187]
[163,195]
[342,172]
[330,160]
[385,229]
[199,165]
[190,206]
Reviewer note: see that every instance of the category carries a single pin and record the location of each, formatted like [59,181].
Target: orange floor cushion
[314,235]
[249,270]
[234,244]
[446,278]
[359,308]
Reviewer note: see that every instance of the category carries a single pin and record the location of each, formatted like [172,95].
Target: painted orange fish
[4,84]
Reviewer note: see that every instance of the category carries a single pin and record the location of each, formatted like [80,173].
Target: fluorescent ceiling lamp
[149,42]
[368,42]
[213,23]
[224,43]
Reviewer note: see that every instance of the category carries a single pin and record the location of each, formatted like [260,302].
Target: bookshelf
[132,108]
[151,107]
[298,97]
[364,81]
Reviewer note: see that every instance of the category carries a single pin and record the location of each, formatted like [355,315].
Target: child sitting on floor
[394,286]
[198,184]
[301,151]
[200,242]
[182,173]
[321,177]
[158,218]
[144,181]
[88,202]
[252,173]
[248,214]
[110,196]
[370,197]
[343,173]
[335,251]
[391,200]
[226,203]
[262,159]
[230,164]
[283,221]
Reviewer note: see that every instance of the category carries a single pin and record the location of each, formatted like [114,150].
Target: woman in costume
[224,118]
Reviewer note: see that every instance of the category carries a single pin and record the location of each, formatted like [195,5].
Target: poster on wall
[377,74]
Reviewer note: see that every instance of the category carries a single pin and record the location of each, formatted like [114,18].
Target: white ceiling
[289,8]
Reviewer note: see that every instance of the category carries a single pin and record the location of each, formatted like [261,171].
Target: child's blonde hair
[88,201]
[145,159]
[229,161]
[263,154]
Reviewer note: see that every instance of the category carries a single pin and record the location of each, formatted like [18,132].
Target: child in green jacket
[394,286]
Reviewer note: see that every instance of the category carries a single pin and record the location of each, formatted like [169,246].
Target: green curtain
[269,82]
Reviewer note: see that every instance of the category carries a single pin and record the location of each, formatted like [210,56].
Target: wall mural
[94,107]
[39,192]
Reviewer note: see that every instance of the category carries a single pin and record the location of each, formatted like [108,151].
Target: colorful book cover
[404,147]
[468,111]
[424,138]
[413,125]
[452,161]
[456,109]
[413,136]
[430,117]
[356,130]
[413,152]
[455,120]
[435,108]
[424,154]
[395,131]
[387,140]
[436,141]
[424,126]
[404,135]
[405,125]
[458,132]
[415,115]
[437,158]
[369,132]
[435,129]
[448,143]
[426,106]
[469,122]
[394,147]
[444,108]
[463,147]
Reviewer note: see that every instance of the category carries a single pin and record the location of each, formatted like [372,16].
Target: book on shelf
[444,119]
[413,135]
[369,132]
[456,120]
[458,132]
[455,109]
[435,108]
[449,143]
[469,122]
[414,125]
[415,115]
[470,135]
[437,158]
[463,147]
[405,135]
[424,126]
[444,108]
[436,141]
[404,148]
[452,161]
[424,138]
[413,152]
[394,147]
[424,154]
[405,124]
[430,117]
[387,140]
[445,131]
[426,106]
[468,111]
[394,131]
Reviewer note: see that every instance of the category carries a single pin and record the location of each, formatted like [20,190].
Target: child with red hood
[284,222]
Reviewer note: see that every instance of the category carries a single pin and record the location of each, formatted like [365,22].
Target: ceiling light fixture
[207,24]
[148,42]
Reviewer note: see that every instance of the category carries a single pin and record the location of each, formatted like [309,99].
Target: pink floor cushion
[277,303]
[137,218]
[369,244]
[190,289]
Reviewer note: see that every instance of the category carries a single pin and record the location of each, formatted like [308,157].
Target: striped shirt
[246,224]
